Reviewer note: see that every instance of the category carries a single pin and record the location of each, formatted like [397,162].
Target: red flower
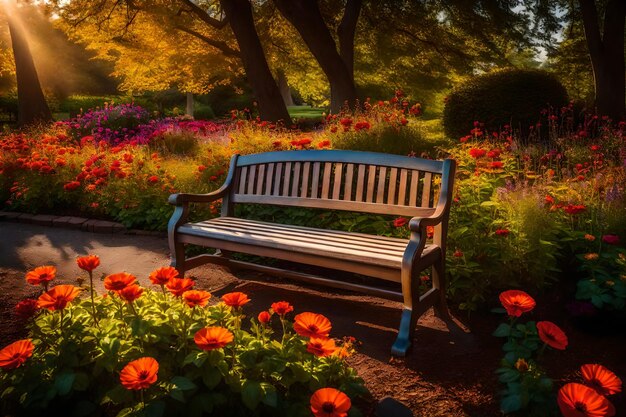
[496,165]
[130,293]
[264,317]
[119,281]
[552,335]
[196,298]
[88,263]
[14,355]
[139,374]
[611,239]
[458,253]
[282,307]
[400,222]
[494,153]
[235,299]
[516,302]
[330,402]
[601,379]
[574,209]
[312,325]
[58,297]
[201,168]
[364,125]
[153,179]
[211,338]
[161,276]
[71,186]
[178,286]
[477,153]
[26,309]
[577,400]
[41,275]
[346,122]
[321,346]
[502,232]
[323,144]
[549,199]
[404,121]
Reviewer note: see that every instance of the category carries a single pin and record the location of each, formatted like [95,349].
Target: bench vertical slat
[269,178]
[382,180]
[251,178]
[277,179]
[393,178]
[402,191]
[360,183]
[286,178]
[337,181]
[260,180]
[296,179]
[428,177]
[242,180]
[328,168]
[415,176]
[371,183]
[304,191]
[316,180]
[347,192]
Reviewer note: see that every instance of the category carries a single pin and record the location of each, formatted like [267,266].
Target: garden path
[440,378]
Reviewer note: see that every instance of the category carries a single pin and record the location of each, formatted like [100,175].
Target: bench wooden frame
[337,180]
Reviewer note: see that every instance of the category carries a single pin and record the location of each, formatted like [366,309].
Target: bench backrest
[341,180]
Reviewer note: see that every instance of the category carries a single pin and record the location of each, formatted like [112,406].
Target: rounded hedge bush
[513,97]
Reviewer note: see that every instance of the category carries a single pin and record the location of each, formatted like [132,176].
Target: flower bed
[138,351]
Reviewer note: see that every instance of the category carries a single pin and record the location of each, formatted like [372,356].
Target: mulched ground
[450,371]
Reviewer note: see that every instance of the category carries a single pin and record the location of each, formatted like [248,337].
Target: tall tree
[32,106]
[606,50]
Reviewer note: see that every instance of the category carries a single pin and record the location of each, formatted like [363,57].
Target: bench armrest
[185,198]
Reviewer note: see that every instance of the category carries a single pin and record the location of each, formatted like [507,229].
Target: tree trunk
[189,105]
[346,32]
[283,86]
[270,101]
[306,17]
[32,106]
[607,55]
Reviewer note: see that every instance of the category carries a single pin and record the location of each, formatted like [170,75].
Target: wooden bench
[336,180]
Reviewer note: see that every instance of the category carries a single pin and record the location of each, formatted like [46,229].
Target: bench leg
[439,282]
[408,320]
[177,250]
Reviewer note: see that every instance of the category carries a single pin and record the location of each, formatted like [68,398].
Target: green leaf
[81,382]
[197,358]
[251,394]
[155,409]
[63,382]
[511,403]
[83,408]
[211,377]
[182,383]
[215,356]
[503,330]
[270,397]
[117,395]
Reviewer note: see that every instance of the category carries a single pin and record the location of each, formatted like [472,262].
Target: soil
[449,372]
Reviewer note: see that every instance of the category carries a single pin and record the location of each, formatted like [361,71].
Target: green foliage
[80,351]
[508,97]
[175,143]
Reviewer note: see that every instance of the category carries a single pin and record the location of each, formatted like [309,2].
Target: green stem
[93,302]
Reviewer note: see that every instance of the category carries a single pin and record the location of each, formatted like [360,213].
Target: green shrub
[507,97]
[203,111]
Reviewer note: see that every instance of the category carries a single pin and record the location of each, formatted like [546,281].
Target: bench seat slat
[277,239]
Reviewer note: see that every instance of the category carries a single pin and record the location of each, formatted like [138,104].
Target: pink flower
[611,239]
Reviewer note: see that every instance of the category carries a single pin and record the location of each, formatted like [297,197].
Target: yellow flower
[521,365]
[610,283]
[591,256]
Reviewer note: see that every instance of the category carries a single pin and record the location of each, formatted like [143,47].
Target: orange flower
[15,354]
[178,286]
[119,281]
[264,317]
[235,299]
[282,307]
[330,402]
[140,373]
[321,346]
[552,335]
[130,293]
[577,400]
[58,297]
[211,338]
[312,325]
[41,275]
[516,302]
[196,298]
[162,275]
[88,263]
[601,379]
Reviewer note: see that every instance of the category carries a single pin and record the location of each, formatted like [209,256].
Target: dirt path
[449,373]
